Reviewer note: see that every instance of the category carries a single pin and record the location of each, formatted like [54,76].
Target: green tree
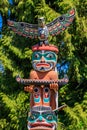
[15,54]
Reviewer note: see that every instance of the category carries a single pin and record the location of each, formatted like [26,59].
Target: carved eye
[36,55]
[49,56]
[36,89]
[61,18]
[32,117]
[46,89]
[50,117]
[22,24]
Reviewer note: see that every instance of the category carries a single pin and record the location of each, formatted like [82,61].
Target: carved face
[42,120]
[41,22]
[44,60]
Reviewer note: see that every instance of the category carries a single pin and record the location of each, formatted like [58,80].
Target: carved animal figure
[42,30]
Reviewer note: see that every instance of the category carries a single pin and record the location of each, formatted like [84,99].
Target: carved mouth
[42,125]
[42,65]
[41,128]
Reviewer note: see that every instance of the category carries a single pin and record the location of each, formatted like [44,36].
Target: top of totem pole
[41,30]
[41,22]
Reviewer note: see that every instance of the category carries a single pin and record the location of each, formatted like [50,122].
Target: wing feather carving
[24,29]
[61,23]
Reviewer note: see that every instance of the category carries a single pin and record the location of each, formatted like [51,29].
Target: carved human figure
[44,60]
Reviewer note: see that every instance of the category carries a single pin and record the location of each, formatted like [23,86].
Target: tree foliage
[15,55]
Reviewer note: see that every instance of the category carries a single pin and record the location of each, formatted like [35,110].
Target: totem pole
[43,82]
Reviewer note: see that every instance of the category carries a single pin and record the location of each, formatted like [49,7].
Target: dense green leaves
[15,55]
[16,111]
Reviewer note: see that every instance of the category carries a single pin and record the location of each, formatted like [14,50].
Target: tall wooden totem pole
[43,83]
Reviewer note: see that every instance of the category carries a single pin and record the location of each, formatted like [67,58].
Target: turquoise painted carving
[44,60]
[42,117]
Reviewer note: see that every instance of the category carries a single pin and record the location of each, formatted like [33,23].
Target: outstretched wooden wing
[61,23]
[24,29]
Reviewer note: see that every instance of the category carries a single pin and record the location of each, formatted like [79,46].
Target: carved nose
[40,119]
[42,60]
